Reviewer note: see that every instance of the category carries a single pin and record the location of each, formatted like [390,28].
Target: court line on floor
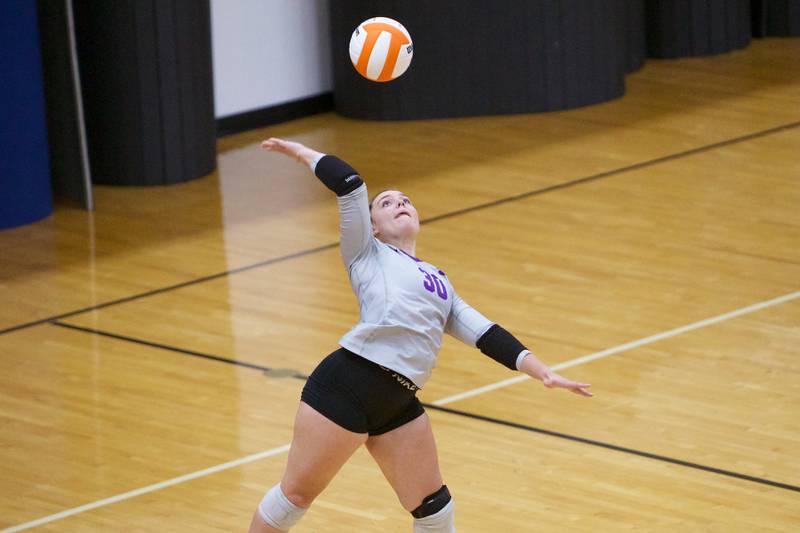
[614,172]
[624,347]
[149,488]
[265,369]
[172,287]
[478,207]
[437,405]
[615,447]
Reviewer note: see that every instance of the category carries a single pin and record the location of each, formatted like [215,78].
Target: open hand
[301,152]
[290,148]
[553,380]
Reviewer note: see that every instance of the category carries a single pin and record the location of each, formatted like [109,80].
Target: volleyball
[381,49]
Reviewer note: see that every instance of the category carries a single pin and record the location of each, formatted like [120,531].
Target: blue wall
[25,189]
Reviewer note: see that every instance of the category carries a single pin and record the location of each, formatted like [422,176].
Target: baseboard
[266,116]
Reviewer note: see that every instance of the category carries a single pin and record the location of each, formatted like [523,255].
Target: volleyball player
[365,392]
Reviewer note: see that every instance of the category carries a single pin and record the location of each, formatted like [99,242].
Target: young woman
[365,392]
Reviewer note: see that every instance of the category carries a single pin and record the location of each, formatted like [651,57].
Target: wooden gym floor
[153,352]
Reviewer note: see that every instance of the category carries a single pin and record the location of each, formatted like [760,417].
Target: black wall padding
[483,58]
[681,28]
[147,89]
[634,33]
[776,18]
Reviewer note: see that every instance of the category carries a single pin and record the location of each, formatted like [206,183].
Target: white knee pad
[441,522]
[276,509]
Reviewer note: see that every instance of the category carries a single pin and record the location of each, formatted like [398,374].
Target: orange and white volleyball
[381,49]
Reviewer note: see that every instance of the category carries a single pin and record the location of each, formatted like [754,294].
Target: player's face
[393,215]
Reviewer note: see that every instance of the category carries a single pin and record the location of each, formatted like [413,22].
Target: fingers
[281,145]
[290,148]
[556,380]
[273,143]
[582,392]
[579,388]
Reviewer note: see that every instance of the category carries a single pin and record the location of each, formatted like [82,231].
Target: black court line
[173,287]
[614,172]
[266,370]
[493,203]
[614,447]
[516,425]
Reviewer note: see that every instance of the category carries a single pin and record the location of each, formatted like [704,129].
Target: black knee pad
[433,503]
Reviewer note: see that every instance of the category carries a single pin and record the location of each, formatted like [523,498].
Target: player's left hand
[553,380]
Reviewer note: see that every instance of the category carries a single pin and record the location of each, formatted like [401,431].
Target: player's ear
[372,223]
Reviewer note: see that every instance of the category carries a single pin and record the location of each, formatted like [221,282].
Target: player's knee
[435,513]
[280,510]
[299,498]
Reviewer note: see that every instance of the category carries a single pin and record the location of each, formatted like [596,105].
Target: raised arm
[472,328]
[354,220]
[302,153]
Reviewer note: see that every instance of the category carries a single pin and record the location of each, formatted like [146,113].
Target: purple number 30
[434,284]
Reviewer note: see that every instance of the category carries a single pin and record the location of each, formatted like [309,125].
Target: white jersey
[405,304]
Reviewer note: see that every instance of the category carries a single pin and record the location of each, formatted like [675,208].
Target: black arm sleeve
[501,346]
[337,175]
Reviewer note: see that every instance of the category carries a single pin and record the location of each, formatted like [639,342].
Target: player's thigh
[319,449]
[408,459]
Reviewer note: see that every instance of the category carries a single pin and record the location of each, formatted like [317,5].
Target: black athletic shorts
[359,395]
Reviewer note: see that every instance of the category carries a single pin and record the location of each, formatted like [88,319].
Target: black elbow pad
[501,346]
[337,175]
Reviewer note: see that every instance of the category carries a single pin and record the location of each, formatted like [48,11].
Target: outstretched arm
[472,328]
[354,220]
[302,153]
